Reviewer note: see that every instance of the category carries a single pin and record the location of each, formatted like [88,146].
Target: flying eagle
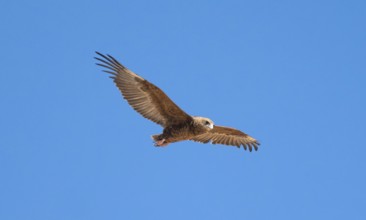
[153,104]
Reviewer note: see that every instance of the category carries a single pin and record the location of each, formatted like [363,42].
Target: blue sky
[290,73]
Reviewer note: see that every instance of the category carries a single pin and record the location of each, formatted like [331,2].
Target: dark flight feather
[146,98]
[227,136]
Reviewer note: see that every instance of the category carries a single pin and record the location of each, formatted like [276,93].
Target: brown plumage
[153,104]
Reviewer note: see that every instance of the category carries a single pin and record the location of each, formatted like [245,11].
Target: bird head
[204,122]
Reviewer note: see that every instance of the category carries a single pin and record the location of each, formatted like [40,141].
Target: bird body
[153,104]
[183,131]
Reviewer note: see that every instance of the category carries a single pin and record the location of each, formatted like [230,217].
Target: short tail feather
[155,137]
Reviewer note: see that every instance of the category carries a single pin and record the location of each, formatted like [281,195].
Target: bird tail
[155,137]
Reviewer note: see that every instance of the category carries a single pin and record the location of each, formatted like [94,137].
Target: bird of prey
[153,104]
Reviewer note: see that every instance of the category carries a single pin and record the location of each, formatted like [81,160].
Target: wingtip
[98,58]
[256,144]
[250,148]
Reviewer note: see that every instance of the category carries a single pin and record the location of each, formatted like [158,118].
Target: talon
[160,143]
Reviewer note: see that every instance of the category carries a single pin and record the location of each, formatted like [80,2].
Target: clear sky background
[290,73]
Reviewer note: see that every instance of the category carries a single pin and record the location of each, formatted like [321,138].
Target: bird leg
[161,143]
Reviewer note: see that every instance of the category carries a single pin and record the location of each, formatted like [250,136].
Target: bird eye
[207,122]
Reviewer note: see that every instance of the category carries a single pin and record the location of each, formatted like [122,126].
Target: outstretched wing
[228,136]
[146,98]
